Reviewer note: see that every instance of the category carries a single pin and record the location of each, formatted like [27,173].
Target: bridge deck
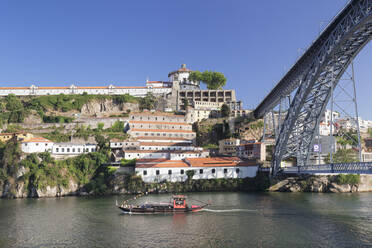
[344,168]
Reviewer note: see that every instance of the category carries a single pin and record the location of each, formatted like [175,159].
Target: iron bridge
[343,168]
[311,79]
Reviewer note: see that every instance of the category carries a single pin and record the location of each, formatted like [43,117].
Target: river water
[234,220]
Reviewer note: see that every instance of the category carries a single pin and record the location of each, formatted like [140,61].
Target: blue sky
[91,42]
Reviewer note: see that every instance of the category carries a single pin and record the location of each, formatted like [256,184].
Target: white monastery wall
[177,174]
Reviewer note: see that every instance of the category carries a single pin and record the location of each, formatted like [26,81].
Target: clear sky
[95,42]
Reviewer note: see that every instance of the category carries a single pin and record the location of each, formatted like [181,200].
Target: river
[234,220]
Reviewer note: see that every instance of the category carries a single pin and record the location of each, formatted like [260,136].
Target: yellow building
[4,137]
[23,135]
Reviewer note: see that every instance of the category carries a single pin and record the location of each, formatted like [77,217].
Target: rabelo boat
[176,205]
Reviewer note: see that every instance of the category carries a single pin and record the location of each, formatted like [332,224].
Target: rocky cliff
[105,107]
[17,188]
[322,184]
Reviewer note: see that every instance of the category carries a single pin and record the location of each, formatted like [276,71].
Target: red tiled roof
[37,139]
[161,138]
[161,151]
[3,134]
[218,162]
[164,144]
[193,162]
[156,114]
[153,160]
[14,88]
[159,122]
[170,164]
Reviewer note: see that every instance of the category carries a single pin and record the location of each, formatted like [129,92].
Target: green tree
[101,142]
[13,103]
[185,103]
[190,174]
[342,156]
[214,80]
[227,133]
[225,110]
[100,126]
[147,102]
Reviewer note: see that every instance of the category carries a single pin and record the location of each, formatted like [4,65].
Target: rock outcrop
[19,190]
[107,107]
[320,184]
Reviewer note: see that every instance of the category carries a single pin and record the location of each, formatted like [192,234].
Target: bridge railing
[345,168]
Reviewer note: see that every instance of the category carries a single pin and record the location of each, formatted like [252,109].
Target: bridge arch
[314,76]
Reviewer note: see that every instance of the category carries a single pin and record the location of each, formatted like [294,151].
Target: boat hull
[140,210]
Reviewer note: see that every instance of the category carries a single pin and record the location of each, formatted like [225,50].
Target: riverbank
[105,182]
[323,184]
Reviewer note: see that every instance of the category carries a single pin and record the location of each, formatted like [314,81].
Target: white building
[163,154]
[181,77]
[163,139]
[103,90]
[325,129]
[204,168]
[326,117]
[72,148]
[124,144]
[166,146]
[36,144]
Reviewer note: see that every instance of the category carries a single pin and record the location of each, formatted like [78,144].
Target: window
[46,144]
[73,149]
[213,171]
[157,172]
[182,172]
[169,172]
[201,171]
[63,149]
[144,172]
[237,170]
[57,149]
[79,150]
[225,171]
[37,144]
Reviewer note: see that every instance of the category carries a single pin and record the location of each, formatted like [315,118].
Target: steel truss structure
[315,75]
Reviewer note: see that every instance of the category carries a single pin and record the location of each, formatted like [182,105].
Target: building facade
[215,96]
[229,147]
[162,154]
[76,90]
[36,145]
[73,148]
[4,137]
[203,168]
[252,151]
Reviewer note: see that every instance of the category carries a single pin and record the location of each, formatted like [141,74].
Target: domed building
[181,77]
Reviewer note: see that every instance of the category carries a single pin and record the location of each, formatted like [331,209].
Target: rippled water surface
[234,220]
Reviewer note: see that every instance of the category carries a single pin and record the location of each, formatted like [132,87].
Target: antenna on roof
[147,79]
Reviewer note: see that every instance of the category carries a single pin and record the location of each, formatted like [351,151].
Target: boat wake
[228,210]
